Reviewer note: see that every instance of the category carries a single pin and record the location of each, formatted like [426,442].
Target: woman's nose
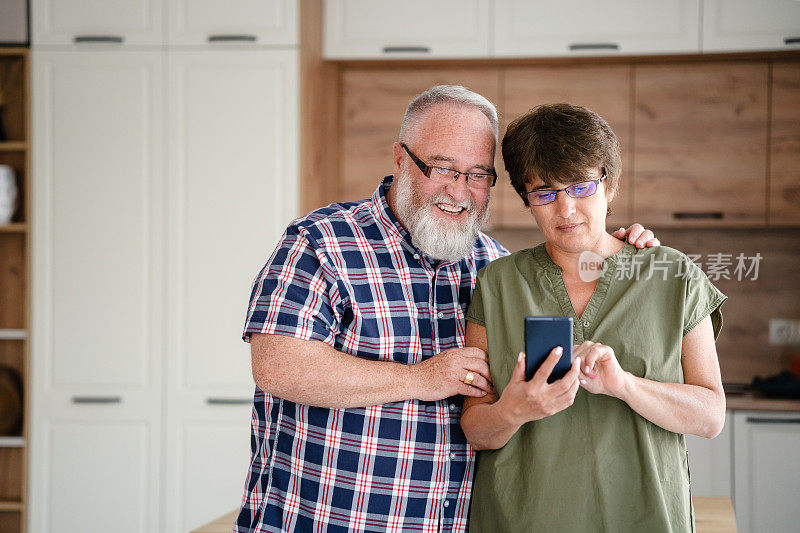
[565,204]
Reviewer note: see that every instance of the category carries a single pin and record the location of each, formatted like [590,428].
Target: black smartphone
[542,334]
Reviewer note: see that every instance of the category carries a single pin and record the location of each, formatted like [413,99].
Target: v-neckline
[600,291]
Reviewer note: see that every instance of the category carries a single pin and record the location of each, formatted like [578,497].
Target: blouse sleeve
[475,312]
[701,300]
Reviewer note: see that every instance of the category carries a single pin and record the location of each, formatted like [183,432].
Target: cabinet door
[411,29]
[62,22]
[605,89]
[700,144]
[733,25]
[581,27]
[784,168]
[767,480]
[97,292]
[710,462]
[233,179]
[257,22]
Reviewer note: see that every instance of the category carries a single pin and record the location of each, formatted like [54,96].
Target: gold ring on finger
[469,377]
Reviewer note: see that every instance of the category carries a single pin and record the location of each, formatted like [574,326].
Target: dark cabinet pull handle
[767,420]
[98,39]
[791,40]
[229,401]
[97,399]
[709,215]
[593,46]
[232,38]
[406,49]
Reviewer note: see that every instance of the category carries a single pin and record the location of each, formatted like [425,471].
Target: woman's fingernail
[520,357]
[592,376]
[583,382]
[559,350]
[588,369]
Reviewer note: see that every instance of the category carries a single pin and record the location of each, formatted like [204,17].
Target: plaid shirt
[347,275]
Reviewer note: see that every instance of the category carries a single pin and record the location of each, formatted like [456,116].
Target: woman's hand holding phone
[600,373]
[524,401]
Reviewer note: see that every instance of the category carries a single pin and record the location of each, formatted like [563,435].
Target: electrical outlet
[784,332]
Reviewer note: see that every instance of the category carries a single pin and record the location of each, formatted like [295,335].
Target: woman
[601,449]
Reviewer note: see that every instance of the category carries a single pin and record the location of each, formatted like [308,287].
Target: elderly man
[356,326]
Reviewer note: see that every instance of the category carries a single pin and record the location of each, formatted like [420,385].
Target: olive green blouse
[597,465]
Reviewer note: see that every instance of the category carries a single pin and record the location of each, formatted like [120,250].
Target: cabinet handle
[232,38]
[708,215]
[229,401]
[98,39]
[791,40]
[767,420]
[406,49]
[96,399]
[593,46]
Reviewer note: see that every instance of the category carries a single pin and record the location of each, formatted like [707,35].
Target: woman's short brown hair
[559,143]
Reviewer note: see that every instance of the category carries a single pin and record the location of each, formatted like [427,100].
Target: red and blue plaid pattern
[348,275]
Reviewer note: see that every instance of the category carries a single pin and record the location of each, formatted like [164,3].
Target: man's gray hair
[446,94]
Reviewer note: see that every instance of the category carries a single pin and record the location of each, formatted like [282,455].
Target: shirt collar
[394,229]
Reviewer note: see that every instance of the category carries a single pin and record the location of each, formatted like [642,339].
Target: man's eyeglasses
[475,180]
[576,190]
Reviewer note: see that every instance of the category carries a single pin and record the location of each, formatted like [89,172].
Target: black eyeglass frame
[526,194]
[426,169]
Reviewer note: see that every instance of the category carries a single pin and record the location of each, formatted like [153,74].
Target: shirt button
[452,407]
[440,314]
[586,324]
[416,256]
[446,503]
[452,455]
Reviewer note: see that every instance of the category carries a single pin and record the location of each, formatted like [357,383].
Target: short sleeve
[701,300]
[475,313]
[291,294]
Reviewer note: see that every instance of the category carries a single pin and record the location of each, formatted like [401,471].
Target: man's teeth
[449,209]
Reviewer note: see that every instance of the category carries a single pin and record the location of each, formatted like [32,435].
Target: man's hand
[442,375]
[523,401]
[601,373]
[637,236]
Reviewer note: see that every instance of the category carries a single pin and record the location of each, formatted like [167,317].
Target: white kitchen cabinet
[579,27]
[129,22]
[232,170]
[163,179]
[767,471]
[363,29]
[738,25]
[254,22]
[98,269]
[710,462]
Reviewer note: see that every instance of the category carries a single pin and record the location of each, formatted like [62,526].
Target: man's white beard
[438,239]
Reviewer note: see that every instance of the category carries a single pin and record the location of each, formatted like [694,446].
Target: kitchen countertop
[712,515]
[749,402]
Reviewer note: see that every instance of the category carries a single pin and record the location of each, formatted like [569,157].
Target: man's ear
[397,156]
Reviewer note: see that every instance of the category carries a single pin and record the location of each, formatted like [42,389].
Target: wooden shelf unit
[15,277]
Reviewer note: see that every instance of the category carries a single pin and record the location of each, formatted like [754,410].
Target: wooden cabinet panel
[700,144]
[373,104]
[605,89]
[784,178]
